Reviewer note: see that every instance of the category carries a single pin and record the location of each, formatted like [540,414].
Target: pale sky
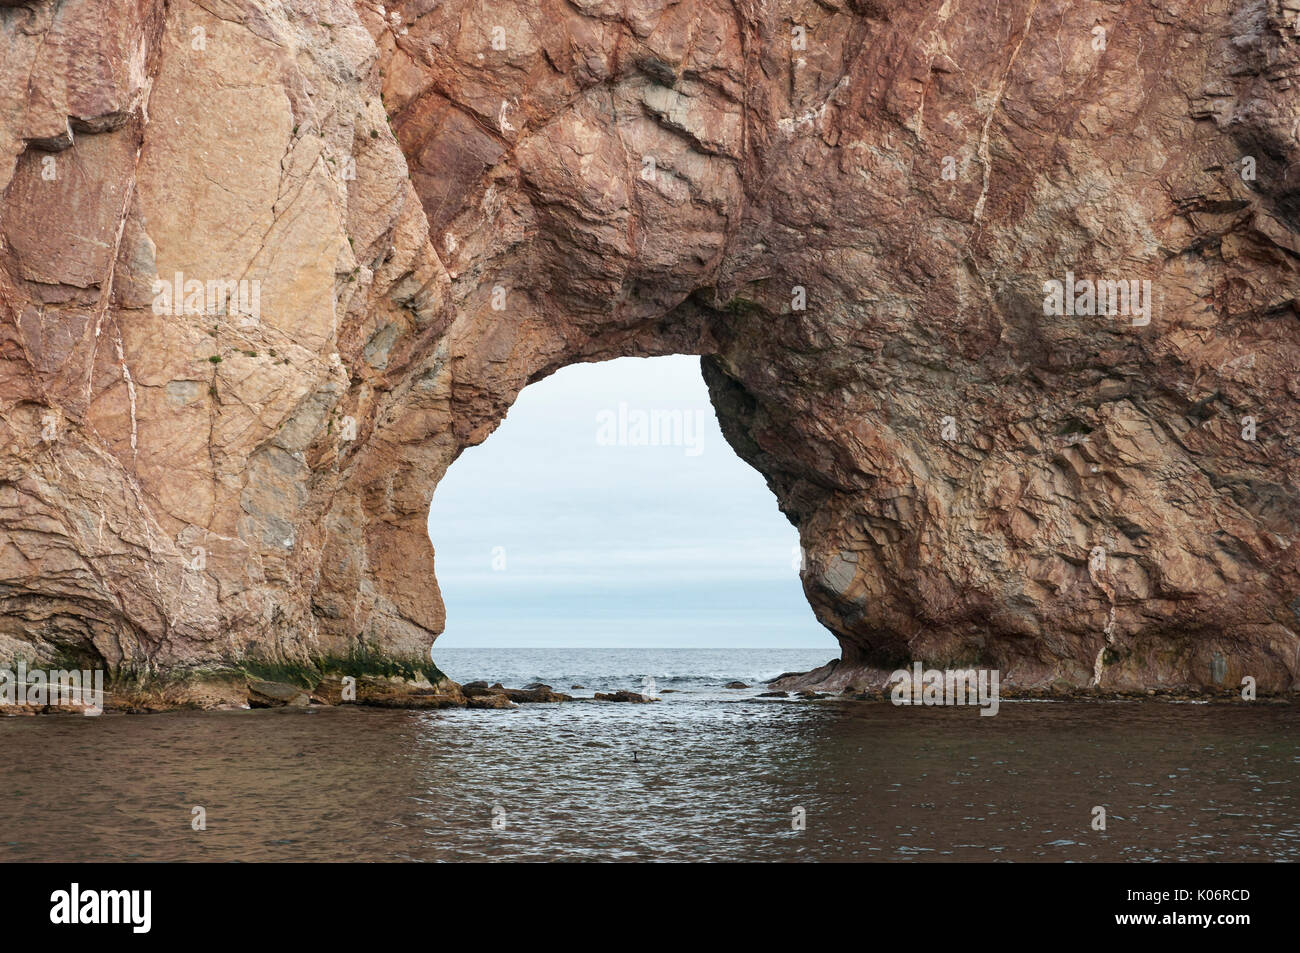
[564,528]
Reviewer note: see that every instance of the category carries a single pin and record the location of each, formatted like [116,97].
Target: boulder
[277,695]
[489,700]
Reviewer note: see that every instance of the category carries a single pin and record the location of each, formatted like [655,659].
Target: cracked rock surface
[851,209]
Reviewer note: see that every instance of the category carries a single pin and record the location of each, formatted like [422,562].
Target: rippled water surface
[706,773]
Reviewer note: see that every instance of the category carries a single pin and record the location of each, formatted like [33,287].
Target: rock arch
[854,233]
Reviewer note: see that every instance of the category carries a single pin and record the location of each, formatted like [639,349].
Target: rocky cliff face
[268,266]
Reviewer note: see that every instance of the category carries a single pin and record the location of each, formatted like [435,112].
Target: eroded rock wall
[849,209]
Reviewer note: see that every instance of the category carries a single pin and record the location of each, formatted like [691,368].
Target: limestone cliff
[268,266]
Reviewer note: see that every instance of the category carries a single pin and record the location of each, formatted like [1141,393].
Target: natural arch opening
[608,510]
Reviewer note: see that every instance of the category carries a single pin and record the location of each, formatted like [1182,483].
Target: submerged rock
[536,694]
[413,700]
[624,696]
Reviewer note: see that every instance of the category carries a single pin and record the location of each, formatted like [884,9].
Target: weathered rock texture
[443,201]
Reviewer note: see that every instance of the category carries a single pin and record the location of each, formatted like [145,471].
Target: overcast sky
[566,528]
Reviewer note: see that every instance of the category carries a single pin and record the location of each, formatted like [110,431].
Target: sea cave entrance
[608,511]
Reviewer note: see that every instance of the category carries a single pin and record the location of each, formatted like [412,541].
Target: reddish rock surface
[848,209]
